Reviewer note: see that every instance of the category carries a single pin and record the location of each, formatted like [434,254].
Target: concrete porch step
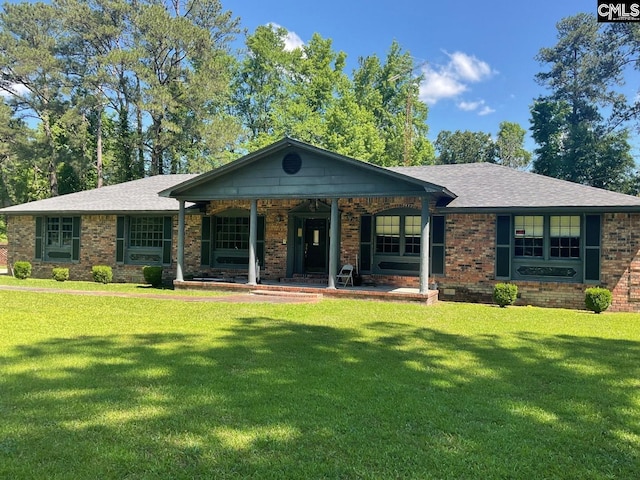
[307,279]
[289,294]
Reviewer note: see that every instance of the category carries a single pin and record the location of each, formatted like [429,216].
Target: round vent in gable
[291,163]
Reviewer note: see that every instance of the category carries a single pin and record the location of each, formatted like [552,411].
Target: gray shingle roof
[135,196]
[477,186]
[489,186]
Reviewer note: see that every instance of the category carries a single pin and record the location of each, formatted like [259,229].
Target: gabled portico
[311,183]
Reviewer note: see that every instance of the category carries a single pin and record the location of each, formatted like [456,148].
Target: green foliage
[505,294]
[510,149]
[304,93]
[3,230]
[465,147]
[597,299]
[152,275]
[581,127]
[22,270]
[102,274]
[60,274]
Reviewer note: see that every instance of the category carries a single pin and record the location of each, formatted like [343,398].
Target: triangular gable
[293,169]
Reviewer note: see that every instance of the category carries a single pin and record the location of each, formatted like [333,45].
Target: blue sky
[480,54]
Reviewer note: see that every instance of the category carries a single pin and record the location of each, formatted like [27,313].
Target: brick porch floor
[382,293]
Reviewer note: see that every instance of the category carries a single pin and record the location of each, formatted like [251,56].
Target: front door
[315,245]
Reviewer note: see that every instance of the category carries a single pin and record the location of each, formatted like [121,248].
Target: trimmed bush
[102,273]
[505,294]
[60,274]
[152,275]
[22,270]
[597,299]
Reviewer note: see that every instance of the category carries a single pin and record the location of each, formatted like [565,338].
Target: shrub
[22,270]
[102,273]
[597,299]
[60,274]
[505,294]
[152,275]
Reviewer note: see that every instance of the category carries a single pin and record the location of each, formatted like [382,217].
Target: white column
[253,242]
[180,263]
[334,243]
[424,247]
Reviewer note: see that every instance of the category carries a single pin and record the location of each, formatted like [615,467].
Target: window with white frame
[564,236]
[398,234]
[529,235]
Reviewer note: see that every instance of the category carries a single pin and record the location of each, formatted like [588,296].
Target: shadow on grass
[278,399]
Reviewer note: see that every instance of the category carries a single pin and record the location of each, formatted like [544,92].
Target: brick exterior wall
[470,260]
[469,263]
[3,255]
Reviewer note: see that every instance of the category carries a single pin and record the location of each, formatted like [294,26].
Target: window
[529,235]
[232,233]
[412,232]
[57,239]
[225,240]
[390,243]
[548,247]
[388,234]
[145,232]
[564,236]
[144,240]
[398,235]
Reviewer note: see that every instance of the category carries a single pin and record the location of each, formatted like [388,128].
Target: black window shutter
[166,240]
[366,221]
[205,242]
[75,239]
[592,243]
[120,239]
[38,252]
[503,246]
[260,240]
[437,245]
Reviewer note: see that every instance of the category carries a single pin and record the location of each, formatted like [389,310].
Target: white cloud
[452,79]
[469,68]
[486,110]
[470,106]
[292,41]
[478,106]
[438,84]
[16,88]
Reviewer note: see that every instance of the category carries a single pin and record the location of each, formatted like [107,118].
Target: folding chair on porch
[345,276]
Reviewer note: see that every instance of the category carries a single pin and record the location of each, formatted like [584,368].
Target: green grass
[120,288]
[115,388]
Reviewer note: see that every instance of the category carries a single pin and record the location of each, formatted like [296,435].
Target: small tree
[22,270]
[597,299]
[505,294]
[102,274]
[152,275]
[60,274]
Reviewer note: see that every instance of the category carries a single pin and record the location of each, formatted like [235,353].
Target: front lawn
[136,388]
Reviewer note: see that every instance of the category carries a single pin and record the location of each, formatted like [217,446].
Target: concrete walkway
[248,297]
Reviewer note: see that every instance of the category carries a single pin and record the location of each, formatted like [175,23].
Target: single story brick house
[292,210]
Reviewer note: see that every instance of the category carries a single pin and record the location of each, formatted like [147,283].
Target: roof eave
[597,209]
